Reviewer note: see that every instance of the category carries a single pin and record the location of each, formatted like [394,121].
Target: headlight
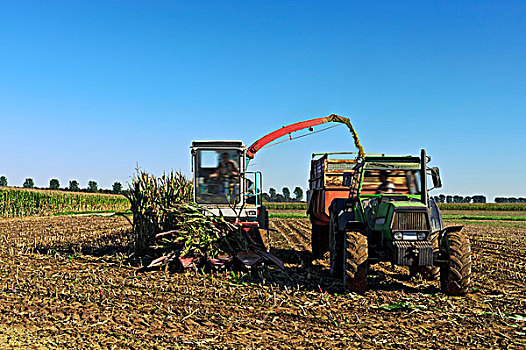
[398,236]
[421,236]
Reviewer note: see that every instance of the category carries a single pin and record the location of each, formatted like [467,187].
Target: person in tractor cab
[386,186]
[226,173]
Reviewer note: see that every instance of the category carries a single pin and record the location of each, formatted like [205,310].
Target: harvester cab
[222,184]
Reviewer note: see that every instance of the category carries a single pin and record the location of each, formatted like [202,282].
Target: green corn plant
[167,224]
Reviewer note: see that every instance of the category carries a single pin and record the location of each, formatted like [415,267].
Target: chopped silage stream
[67,280]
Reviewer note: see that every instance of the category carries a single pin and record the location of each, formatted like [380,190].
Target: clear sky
[89,89]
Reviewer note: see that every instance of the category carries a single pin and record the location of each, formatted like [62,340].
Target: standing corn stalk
[167,225]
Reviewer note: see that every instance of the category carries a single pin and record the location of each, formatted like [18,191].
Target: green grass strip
[274,215]
[485,217]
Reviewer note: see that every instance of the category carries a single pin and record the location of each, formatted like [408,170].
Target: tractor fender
[452,229]
[344,214]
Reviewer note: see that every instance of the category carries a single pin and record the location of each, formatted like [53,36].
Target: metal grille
[410,221]
[339,166]
[411,253]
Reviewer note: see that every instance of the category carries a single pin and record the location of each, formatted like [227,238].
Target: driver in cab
[386,186]
[226,173]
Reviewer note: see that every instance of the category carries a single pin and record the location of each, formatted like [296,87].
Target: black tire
[355,261]
[336,248]
[430,273]
[319,240]
[455,276]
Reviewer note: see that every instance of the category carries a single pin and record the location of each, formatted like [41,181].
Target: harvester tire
[336,238]
[319,240]
[429,273]
[355,261]
[455,275]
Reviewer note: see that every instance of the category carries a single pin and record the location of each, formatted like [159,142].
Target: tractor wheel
[455,276]
[430,273]
[319,240]
[335,248]
[355,261]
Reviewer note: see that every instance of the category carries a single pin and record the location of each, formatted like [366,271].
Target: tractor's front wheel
[455,275]
[355,261]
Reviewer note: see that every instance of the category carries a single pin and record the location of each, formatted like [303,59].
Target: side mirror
[435,176]
[347,179]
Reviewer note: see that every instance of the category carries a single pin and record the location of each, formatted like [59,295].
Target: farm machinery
[223,185]
[377,208]
[363,208]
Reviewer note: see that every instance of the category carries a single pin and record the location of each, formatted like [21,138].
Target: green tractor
[388,216]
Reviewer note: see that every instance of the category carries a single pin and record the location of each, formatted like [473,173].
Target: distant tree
[442,198]
[467,199]
[266,197]
[449,199]
[29,183]
[272,193]
[479,199]
[74,186]
[92,186]
[286,194]
[298,194]
[117,187]
[280,198]
[54,184]
[3,181]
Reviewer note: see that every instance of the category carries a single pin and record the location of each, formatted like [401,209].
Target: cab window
[217,176]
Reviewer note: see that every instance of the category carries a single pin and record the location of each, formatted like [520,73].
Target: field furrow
[67,280]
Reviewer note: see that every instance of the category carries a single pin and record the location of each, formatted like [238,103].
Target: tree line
[475,199]
[459,199]
[284,196]
[73,186]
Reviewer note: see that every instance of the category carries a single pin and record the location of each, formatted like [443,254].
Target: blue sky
[89,89]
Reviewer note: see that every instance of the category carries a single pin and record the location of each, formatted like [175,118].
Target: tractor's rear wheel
[430,273]
[336,248]
[319,240]
[355,261]
[455,276]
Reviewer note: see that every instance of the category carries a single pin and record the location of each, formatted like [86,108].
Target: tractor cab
[391,197]
[222,184]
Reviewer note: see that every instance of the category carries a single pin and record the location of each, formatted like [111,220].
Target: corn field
[16,202]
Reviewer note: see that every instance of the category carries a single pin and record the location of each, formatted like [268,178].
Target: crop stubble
[65,282]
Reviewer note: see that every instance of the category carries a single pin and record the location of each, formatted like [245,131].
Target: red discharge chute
[256,146]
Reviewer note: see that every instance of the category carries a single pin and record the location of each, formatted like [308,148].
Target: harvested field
[66,282]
